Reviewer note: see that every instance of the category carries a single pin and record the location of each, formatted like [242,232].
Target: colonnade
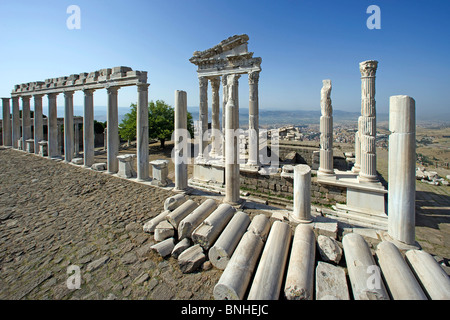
[111,80]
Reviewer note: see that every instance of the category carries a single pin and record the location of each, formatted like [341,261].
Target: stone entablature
[230,56]
[104,78]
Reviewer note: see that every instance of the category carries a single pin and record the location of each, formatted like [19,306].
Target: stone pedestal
[302,194]
[43,150]
[160,172]
[181,141]
[125,166]
[402,169]
[368,122]
[142,132]
[29,145]
[6,130]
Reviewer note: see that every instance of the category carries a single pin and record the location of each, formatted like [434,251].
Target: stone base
[78,161]
[209,172]
[296,221]
[400,245]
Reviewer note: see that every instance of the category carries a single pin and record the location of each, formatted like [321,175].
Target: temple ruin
[253,250]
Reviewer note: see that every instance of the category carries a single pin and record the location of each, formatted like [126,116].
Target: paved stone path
[54,215]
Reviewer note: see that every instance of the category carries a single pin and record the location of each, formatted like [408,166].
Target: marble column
[302,194]
[215,115]
[224,103]
[68,126]
[368,122]
[113,130]
[181,142]
[88,128]
[38,122]
[52,125]
[15,122]
[402,169]
[203,118]
[232,179]
[253,119]
[142,132]
[26,121]
[76,133]
[357,166]
[6,130]
[326,130]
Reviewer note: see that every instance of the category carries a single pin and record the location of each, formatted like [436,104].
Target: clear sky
[300,43]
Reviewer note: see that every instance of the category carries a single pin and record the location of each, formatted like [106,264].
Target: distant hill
[295,117]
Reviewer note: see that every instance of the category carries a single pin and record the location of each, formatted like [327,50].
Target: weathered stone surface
[400,280]
[180,247]
[175,201]
[195,218]
[430,274]
[191,259]
[329,229]
[260,226]
[206,233]
[181,212]
[164,248]
[331,283]
[329,249]
[235,279]
[223,248]
[163,231]
[151,225]
[269,275]
[300,274]
[362,269]
[99,166]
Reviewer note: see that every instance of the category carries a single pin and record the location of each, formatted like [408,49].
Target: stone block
[191,259]
[329,249]
[160,172]
[331,283]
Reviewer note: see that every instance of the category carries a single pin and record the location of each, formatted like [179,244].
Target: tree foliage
[161,122]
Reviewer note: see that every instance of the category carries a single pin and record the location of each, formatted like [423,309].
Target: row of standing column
[11,135]
[217,138]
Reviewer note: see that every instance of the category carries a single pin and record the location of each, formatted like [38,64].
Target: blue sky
[300,43]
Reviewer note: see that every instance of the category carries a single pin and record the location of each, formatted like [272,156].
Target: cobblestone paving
[54,215]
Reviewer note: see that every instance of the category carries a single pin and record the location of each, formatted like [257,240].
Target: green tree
[127,128]
[161,118]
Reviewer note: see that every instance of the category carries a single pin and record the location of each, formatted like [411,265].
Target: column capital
[52,95]
[26,97]
[88,92]
[233,79]
[112,89]
[215,82]
[38,95]
[368,68]
[68,94]
[253,77]
[142,87]
[5,99]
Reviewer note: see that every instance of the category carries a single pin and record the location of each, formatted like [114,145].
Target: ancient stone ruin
[263,256]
